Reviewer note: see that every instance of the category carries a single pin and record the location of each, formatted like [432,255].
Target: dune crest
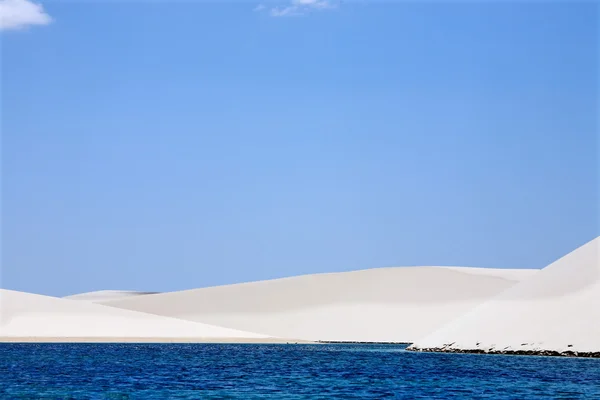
[376,305]
[105,295]
[555,312]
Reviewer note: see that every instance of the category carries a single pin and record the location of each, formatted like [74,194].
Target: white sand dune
[556,311]
[105,295]
[377,305]
[26,317]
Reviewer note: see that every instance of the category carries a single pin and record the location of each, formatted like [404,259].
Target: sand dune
[377,305]
[104,295]
[30,317]
[556,311]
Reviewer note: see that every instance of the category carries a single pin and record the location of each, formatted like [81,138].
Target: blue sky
[156,146]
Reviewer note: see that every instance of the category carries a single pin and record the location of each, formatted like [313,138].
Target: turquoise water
[199,371]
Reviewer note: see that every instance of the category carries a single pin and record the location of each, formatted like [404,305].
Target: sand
[105,295]
[378,305]
[131,339]
[30,317]
[555,312]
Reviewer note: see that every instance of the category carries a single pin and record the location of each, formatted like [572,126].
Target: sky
[153,145]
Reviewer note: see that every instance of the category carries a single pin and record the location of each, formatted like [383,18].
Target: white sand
[27,317]
[377,305]
[556,310]
[105,295]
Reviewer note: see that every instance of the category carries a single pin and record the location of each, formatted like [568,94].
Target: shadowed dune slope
[376,305]
[556,310]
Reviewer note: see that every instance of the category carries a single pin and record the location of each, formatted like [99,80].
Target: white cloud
[301,7]
[284,11]
[18,14]
[313,3]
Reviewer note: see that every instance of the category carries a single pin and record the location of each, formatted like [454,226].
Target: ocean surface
[247,371]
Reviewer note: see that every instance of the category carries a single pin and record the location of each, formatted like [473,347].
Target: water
[205,371]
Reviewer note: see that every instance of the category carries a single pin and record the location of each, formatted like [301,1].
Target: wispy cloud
[297,7]
[18,14]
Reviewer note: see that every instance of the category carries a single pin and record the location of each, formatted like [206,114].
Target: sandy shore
[127,339]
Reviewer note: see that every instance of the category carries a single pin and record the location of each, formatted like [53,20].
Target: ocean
[249,371]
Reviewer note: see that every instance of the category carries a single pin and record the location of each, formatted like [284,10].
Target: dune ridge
[378,305]
[105,295]
[555,312]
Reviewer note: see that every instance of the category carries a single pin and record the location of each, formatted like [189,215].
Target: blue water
[199,371]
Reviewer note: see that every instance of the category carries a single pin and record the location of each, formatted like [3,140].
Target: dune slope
[377,305]
[25,317]
[555,312]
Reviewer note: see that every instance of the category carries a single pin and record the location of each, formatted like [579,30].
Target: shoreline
[157,340]
[541,353]
[361,342]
